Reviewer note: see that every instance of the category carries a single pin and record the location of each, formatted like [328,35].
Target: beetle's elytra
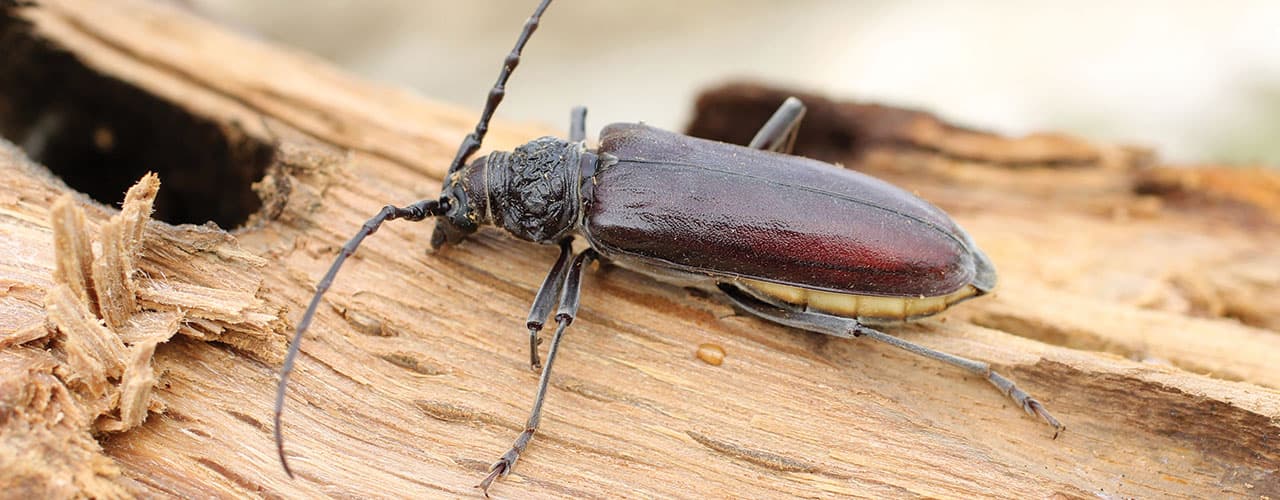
[792,240]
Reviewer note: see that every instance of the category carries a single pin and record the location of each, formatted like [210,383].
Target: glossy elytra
[792,240]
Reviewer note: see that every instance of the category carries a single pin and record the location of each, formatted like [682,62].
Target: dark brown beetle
[792,240]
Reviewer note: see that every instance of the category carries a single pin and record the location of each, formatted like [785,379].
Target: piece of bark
[71,238]
[414,377]
[120,241]
[44,450]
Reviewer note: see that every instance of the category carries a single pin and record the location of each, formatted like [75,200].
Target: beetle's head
[463,195]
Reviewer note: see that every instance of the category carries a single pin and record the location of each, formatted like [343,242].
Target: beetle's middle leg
[569,295]
[578,124]
[779,133]
[850,328]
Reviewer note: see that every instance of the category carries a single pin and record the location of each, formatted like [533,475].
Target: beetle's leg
[564,315]
[546,299]
[779,133]
[1006,386]
[850,328]
[578,124]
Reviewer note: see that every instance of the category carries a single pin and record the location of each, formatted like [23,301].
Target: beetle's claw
[1035,409]
[498,470]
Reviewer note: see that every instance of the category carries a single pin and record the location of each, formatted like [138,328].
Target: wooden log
[1137,302]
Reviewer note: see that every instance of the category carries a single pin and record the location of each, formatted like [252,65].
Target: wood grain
[1142,317]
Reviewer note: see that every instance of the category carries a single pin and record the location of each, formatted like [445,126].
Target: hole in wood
[100,134]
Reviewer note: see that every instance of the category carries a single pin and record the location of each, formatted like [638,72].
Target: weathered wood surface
[1138,302]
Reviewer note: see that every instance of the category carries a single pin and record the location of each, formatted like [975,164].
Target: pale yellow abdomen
[860,306]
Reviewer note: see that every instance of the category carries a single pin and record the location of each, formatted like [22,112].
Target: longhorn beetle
[792,240]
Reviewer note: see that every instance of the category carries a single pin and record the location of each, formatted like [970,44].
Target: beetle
[792,240]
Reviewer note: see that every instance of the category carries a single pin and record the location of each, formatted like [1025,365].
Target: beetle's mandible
[794,241]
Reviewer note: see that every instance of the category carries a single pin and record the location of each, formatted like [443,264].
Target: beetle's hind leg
[850,328]
[1006,386]
[779,133]
[569,295]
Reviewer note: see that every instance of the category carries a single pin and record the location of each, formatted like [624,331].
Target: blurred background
[1199,81]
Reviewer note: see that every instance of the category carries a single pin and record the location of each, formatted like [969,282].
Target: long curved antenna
[499,90]
[414,212]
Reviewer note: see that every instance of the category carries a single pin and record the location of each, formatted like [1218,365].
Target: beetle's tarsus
[499,469]
[1037,410]
[1031,405]
[503,466]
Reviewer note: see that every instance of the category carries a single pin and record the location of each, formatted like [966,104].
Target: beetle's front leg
[564,316]
[850,328]
[779,133]
[545,300]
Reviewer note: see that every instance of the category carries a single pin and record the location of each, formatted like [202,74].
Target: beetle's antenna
[473,140]
[414,212]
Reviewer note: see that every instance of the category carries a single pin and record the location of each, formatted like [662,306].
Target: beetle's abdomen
[868,308]
[726,210]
